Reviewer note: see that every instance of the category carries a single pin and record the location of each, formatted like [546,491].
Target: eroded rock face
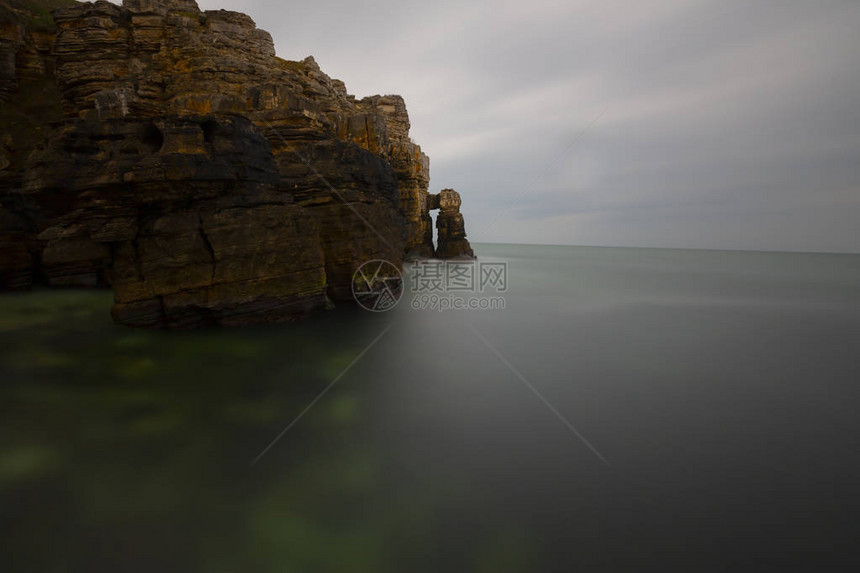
[170,154]
[413,172]
[450,228]
[11,40]
[183,217]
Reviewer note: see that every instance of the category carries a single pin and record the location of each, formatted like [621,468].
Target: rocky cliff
[169,153]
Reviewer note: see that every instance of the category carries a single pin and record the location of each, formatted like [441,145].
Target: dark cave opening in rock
[209,126]
[152,137]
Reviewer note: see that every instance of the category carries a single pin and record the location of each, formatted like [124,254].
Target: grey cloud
[726,124]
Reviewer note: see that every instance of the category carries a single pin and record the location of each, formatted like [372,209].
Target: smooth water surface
[721,388]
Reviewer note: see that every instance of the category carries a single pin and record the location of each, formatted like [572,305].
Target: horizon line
[738,250]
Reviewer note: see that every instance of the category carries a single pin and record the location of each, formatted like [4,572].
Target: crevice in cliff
[37,272]
[209,248]
[163,309]
[138,263]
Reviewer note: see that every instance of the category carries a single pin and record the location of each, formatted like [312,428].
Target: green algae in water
[25,311]
[26,462]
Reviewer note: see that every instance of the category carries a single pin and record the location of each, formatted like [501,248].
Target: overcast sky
[713,123]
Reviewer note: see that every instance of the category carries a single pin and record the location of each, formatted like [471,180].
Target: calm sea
[628,410]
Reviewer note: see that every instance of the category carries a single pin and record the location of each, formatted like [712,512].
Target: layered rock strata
[450,227]
[167,152]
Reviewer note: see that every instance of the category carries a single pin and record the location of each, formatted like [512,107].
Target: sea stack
[450,228]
